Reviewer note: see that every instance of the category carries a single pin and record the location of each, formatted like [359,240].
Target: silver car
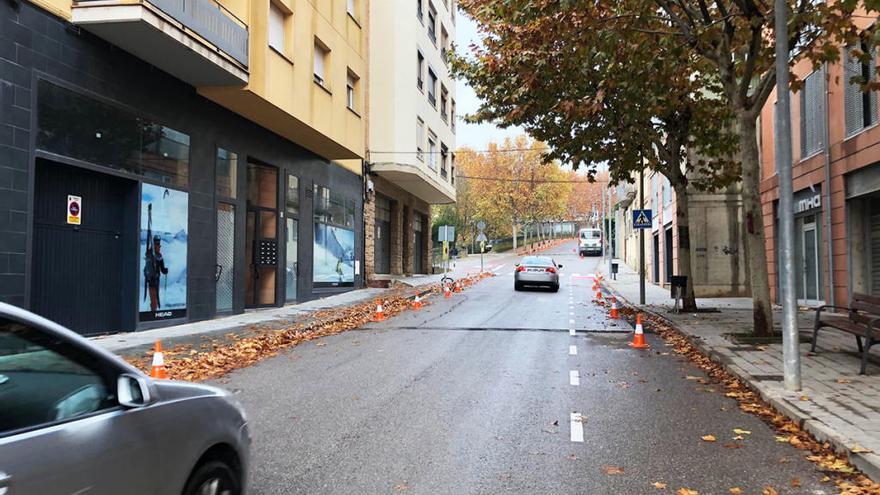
[77,419]
[539,271]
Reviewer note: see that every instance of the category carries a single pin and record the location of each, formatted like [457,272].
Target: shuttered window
[276,28]
[861,107]
[812,115]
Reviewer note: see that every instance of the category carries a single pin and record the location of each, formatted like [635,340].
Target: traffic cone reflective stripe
[614,313]
[639,335]
[158,368]
[446,292]
[417,302]
[380,312]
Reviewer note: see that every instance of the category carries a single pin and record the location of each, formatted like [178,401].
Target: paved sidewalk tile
[836,403]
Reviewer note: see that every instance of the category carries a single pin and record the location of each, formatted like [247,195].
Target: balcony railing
[210,22]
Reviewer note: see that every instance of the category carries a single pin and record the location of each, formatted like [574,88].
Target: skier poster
[333,256]
[162,253]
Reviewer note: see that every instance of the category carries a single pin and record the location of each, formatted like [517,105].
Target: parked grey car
[539,271]
[77,419]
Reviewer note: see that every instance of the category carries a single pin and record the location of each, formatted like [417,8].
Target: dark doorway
[261,243]
[418,243]
[667,248]
[382,236]
[656,260]
[84,276]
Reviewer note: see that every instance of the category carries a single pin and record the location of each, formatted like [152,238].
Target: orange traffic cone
[614,313]
[598,294]
[417,302]
[457,286]
[158,369]
[639,337]
[446,292]
[380,312]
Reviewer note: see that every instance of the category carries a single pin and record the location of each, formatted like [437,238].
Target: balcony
[416,178]
[196,41]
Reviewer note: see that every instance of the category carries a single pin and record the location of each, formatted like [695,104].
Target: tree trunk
[682,216]
[514,237]
[753,227]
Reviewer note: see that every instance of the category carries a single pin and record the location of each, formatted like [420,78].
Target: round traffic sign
[74,209]
[481,225]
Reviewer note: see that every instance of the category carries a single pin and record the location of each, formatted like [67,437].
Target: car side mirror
[132,390]
[558,266]
[517,264]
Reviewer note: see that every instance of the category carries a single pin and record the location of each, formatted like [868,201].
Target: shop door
[225,275]
[418,244]
[810,260]
[382,236]
[67,285]
[655,260]
[262,236]
[667,247]
[291,259]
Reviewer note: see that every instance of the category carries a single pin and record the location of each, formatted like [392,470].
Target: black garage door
[84,276]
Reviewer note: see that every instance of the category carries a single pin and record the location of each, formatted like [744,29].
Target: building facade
[411,134]
[164,162]
[836,174]
[715,236]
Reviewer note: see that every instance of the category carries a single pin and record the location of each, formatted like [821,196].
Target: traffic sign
[481,237]
[446,233]
[641,219]
[74,209]
[481,225]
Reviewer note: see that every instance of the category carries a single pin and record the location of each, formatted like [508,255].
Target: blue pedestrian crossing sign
[641,219]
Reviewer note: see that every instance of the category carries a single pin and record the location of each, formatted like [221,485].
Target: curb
[867,463]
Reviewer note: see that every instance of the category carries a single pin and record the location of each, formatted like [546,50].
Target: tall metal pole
[610,250]
[642,238]
[790,347]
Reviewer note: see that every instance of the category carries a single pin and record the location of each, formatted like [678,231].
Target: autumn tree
[599,96]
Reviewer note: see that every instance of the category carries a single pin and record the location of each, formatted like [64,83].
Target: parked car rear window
[43,380]
[591,234]
[537,260]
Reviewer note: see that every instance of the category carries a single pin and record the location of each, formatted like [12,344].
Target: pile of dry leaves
[186,363]
[836,467]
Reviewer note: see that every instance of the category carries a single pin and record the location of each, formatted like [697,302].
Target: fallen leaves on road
[735,490]
[612,470]
[708,438]
[659,485]
[836,466]
[401,487]
[739,431]
[686,491]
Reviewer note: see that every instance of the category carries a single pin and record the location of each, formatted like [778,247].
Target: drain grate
[768,378]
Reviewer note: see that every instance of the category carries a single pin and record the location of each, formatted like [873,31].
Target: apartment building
[717,265]
[165,161]
[411,134]
[836,182]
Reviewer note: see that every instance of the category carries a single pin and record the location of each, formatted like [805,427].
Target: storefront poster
[333,256]
[162,253]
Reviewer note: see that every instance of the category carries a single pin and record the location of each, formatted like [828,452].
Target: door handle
[4,483]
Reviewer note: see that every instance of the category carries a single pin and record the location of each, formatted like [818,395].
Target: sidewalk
[836,404]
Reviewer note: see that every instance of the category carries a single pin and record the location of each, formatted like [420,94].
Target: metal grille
[225,256]
[874,234]
[812,115]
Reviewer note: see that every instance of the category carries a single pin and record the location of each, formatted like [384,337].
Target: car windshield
[537,261]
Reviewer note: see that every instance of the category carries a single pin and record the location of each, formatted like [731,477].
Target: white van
[589,241]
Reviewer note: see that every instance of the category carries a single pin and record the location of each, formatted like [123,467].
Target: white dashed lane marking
[574,377]
[572,350]
[577,428]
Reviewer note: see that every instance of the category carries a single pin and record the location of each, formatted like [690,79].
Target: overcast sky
[474,136]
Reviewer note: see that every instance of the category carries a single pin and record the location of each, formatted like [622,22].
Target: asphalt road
[475,394]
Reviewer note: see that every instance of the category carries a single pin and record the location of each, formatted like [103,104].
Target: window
[452,168]
[444,151]
[444,44]
[351,85]
[861,107]
[419,12]
[78,126]
[667,192]
[334,251]
[227,173]
[432,150]
[420,139]
[432,23]
[321,55]
[432,88]
[812,101]
[421,68]
[277,18]
[452,115]
[47,380]
[443,98]
[351,8]
[452,11]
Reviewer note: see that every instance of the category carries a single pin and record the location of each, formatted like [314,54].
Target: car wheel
[554,287]
[213,478]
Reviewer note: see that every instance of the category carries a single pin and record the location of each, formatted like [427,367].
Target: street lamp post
[790,347]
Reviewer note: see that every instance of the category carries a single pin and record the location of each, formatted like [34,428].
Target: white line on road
[574,377]
[577,428]
[571,331]
[572,350]
[570,313]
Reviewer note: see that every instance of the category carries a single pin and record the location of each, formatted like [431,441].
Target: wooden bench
[863,321]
